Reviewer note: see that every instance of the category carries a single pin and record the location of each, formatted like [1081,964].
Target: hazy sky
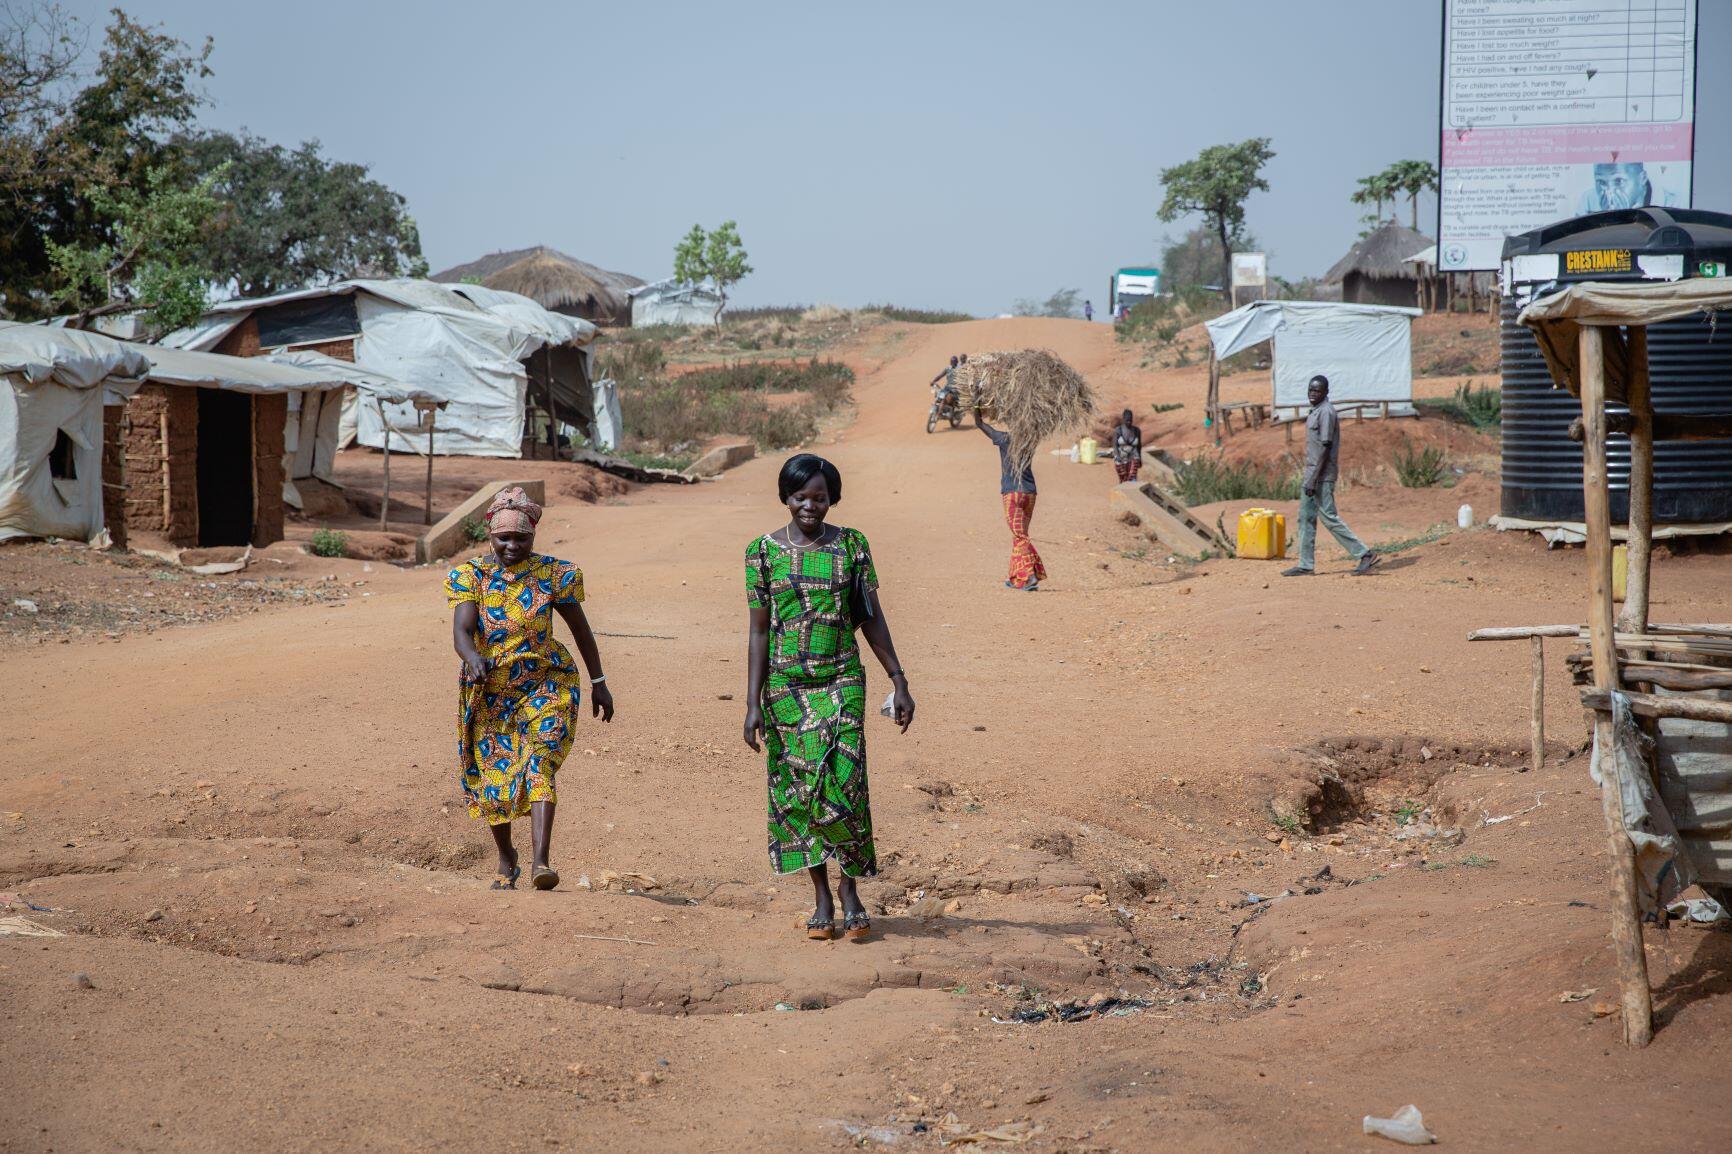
[957,155]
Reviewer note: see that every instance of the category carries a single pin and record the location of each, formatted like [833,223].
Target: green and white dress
[814,702]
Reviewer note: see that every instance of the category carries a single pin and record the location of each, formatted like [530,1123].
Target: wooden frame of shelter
[1595,340]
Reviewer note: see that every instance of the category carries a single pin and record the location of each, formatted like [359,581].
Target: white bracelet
[598,680]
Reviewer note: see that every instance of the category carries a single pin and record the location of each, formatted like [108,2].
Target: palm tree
[1375,189]
[1411,177]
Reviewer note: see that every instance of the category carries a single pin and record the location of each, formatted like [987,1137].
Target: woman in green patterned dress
[806,690]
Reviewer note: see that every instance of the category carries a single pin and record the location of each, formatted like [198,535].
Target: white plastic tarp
[608,423]
[428,335]
[1557,319]
[313,432]
[674,302]
[474,361]
[515,308]
[1366,351]
[52,382]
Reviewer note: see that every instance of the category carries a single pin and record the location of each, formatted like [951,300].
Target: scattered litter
[786,1006]
[1487,819]
[1604,1009]
[1578,995]
[16,900]
[1095,1007]
[957,1134]
[1705,911]
[82,980]
[25,928]
[1406,1126]
[625,881]
[25,604]
[862,1134]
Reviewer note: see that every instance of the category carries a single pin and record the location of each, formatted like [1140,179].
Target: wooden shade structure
[1595,340]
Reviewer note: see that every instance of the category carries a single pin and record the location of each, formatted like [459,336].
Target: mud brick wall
[114,473]
[149,508]
[270,413]
[243,341]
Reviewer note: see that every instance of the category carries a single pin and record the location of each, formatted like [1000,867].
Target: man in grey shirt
[1317,499]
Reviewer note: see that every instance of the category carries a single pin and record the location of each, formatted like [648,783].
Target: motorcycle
[947,406]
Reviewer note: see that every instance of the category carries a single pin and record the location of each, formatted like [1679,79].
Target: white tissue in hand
[888,709]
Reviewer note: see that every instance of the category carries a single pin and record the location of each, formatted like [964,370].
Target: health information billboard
[1554,108]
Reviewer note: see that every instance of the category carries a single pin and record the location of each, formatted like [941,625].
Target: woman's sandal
[507,881]
[544,877]
[819,929]
[856,927]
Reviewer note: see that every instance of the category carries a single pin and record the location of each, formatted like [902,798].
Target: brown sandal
[544,878]
[507,881]
[819,929]
[857,927]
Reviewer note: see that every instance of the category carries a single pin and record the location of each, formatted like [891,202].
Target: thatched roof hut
[1375,272]
[553,280]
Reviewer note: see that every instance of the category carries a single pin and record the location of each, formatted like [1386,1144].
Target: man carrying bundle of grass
[1317,495]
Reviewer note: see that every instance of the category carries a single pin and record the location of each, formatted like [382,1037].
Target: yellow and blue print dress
[514,727]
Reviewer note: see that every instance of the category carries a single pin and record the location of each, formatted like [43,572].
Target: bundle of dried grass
[1031,393]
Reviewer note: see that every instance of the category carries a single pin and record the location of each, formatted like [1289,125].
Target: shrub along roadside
[1418,468]
[777,405]
[1480,407]
[1212,478]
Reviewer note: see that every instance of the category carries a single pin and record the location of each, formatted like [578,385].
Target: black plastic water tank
[1690,366]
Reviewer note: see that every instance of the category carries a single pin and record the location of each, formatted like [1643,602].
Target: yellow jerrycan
[1262,534]
[1086,450]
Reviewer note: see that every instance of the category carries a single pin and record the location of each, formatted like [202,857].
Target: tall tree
[1411,177]
[296,218]
[1194,260]
[1374,190]
[152,259]
[73,135]
[1216,184]
[718,256]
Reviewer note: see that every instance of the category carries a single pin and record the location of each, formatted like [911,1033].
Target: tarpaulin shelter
[675,302]
[1661,694]
[1366,351]
[482,355]
[52,382]
[206,447]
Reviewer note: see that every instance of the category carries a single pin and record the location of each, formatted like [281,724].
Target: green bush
[1479,406]
[1418,468]
[474,530]
[1212,478]
[328,542]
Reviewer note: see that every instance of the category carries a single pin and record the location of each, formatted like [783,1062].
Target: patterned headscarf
[512,512]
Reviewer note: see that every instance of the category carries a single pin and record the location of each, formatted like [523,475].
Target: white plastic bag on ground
[1406,1126]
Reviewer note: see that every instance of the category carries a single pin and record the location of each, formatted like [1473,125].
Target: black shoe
[1298,571]
[1367,562]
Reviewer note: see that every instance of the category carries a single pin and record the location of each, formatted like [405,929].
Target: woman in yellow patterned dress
[519,689]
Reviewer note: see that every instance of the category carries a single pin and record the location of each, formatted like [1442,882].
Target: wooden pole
[385,505]
[1213,405]
[1640,538]
[427,514]
[1537,647]
[1626,912]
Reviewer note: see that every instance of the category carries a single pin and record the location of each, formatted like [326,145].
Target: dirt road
[248,836]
